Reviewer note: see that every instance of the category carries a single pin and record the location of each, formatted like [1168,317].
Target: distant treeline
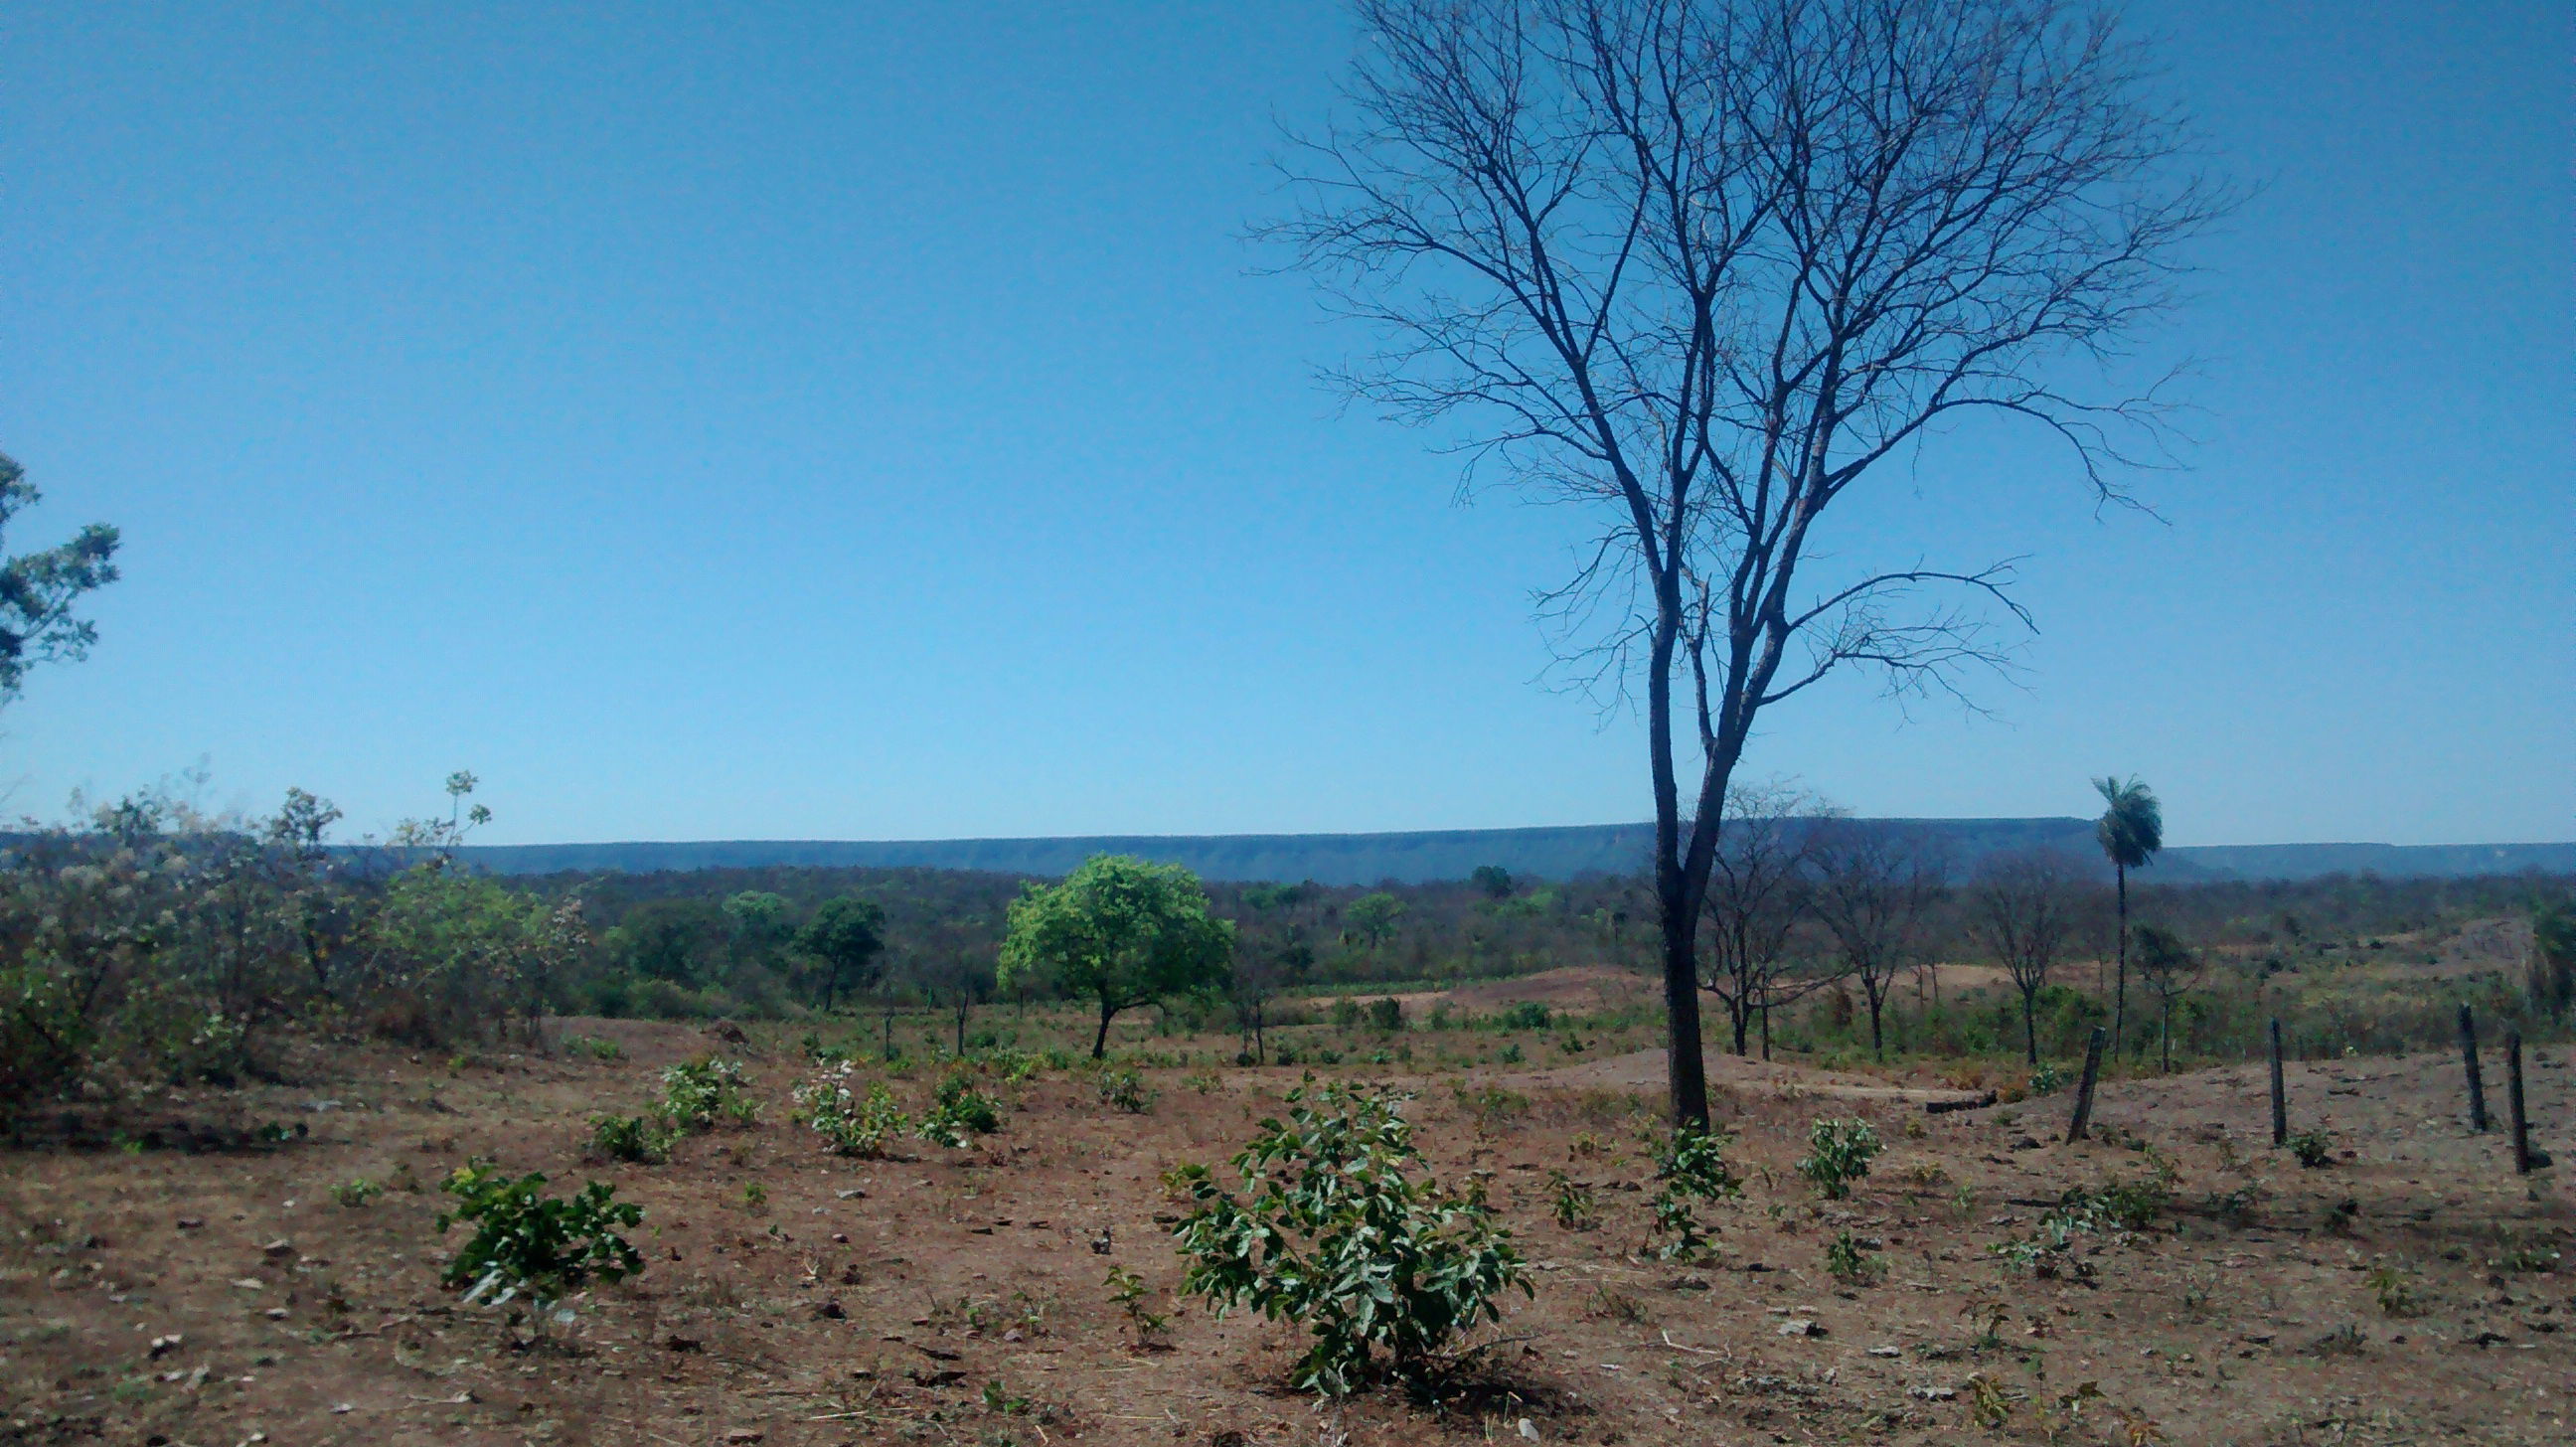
[1556,854]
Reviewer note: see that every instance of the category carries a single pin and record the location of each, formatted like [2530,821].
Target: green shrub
[1331,1232]
[1386,1014]
[526,1244]
[356,1192]
[593,1047]
[850,1125]
[1573,1202]
[1123,1087]
[1838,1153]
[1523,1015]
[631,1138]
[2114,1208]
[1691,1163]
[2312,1148]
[698,1094]
[1849,1260]
[959,1112]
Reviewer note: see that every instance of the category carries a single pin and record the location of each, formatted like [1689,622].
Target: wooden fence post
[2280,1106]
[2084,1088]
[2469,1059]
[2524,1158]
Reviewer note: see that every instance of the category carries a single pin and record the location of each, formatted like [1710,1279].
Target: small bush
[528,1245]
[2047,1079]
[1492,1108]
[1838,1153]
[630,1138]
[959,1112]
[1123,1087]
[1386,1015]
[1523,1015]
[1573,1202]
[2312,1148]
[1849,1260]
[850,1125]
[1692,1165]
[1332,1232]
[593,1047]
[1132,1296]
[702,1092]
[2396,1295]
[2114,1208]
[357,1192]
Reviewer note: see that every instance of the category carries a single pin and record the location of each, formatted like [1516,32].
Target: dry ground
[224,1298]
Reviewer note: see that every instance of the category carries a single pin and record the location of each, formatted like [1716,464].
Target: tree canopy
[843,939]
[1119,931]
[37,590]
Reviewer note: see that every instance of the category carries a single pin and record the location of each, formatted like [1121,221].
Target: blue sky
[865,422]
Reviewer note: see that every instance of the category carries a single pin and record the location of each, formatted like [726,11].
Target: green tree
[2132,830]
[669,939]
[756,927]
[1119,931]
[843,939]
[37,590]
[1493,879]
[1373,915]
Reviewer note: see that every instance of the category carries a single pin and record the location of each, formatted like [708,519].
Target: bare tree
[1704,266]
[2023,907]
[1757,894]
[1875,891]
[2170,969]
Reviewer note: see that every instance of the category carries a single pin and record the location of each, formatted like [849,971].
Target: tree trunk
[1877,1043]
[2168,1035]
[1685,1073]
[1766,1032]
[1100,1042]
[2120,997]
[2029,1028]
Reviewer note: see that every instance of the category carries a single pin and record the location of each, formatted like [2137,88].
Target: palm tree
[2131,830]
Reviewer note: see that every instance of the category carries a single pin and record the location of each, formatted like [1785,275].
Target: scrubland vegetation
[822,1156]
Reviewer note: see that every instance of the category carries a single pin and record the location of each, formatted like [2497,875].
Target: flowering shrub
[850,1124]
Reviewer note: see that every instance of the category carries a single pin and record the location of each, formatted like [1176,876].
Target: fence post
[2280,1106]
[2084,1088]
[2524,1157]
[2469,1059]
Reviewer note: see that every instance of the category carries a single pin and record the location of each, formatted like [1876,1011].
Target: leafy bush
[1573,1209]
[526,1244]
[1132,1296]
[356,1192]
[1330,1231]
[1838,1153]
[959,1112]
[1522,1015]
[630,1138]
[1386,1015]
[1123,1087]
[2312,1148]
[852,1126]
[2047,1079]
[2114,1208]
[1849,1260]
[701,1092]
[1691,1163]
[594,1047]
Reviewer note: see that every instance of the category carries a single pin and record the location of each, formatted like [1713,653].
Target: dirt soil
[224,1297]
